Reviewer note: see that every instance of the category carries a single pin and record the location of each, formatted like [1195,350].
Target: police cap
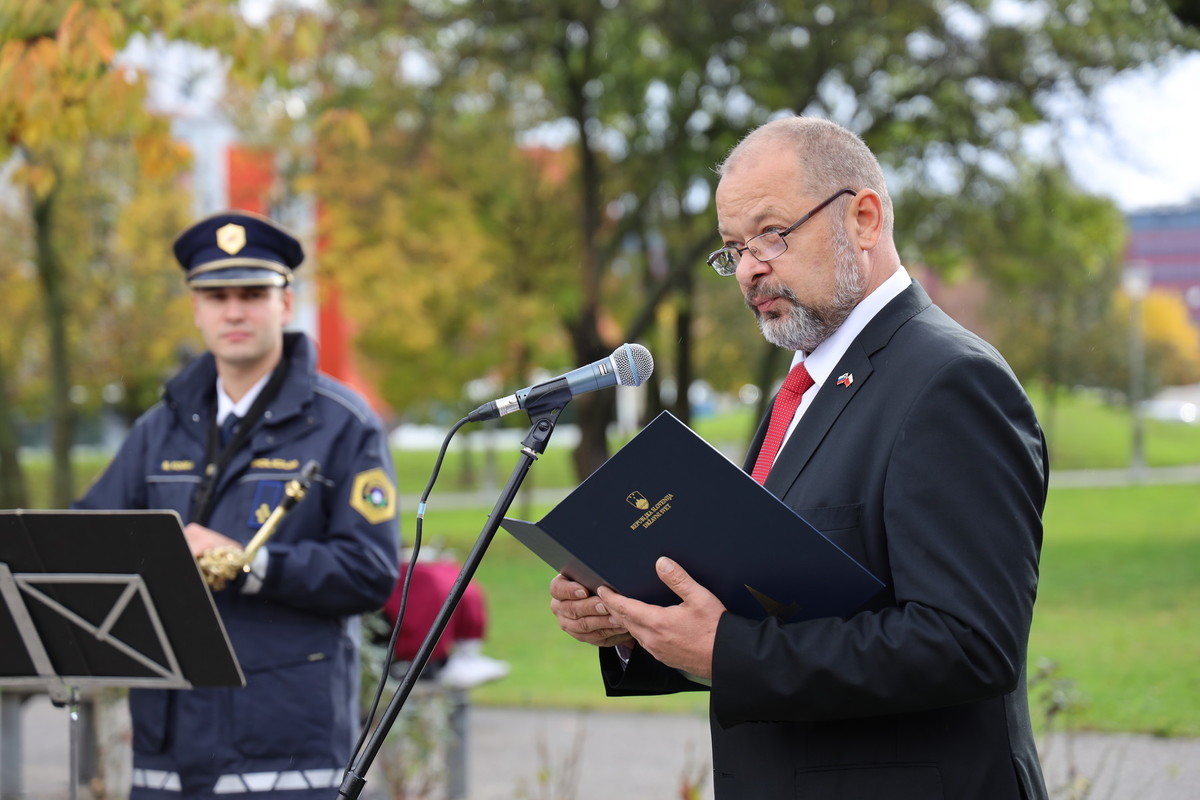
[237,248]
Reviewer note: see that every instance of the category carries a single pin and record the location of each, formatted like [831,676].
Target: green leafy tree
[651,95]
[423,109]
[1055,257]
[1052,257]
[419,256]
[433,226]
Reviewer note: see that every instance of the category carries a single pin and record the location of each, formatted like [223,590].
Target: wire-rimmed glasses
[765,246]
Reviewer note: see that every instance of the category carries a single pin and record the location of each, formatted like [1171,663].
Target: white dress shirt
[225,406]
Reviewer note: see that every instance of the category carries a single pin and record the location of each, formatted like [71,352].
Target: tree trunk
[683,354]
[62,414]
[1049,420]
[595,409]
[12,477]
[1054,372]
[594,412]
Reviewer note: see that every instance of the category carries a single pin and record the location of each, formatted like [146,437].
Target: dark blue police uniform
[289,732]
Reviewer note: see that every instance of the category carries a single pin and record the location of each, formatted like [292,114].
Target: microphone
[629,365]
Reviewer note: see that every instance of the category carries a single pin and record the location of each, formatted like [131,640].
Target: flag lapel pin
[846,379]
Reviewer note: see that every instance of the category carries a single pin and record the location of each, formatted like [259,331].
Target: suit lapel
[833,399]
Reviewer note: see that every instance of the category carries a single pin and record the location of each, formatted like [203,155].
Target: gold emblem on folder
[651,512]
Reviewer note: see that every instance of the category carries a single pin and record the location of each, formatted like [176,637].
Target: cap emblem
[231,238]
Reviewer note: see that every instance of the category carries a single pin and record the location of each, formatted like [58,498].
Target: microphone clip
[543,421]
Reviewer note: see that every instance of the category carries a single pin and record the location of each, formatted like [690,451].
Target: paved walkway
[648,756]
[1082,478]
[572,755]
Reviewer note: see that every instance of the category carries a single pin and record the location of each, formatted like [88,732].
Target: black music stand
[105,598]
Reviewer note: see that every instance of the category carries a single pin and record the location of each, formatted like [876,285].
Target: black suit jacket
[930,468]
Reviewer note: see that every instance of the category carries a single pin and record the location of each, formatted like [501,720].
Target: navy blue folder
[669,492]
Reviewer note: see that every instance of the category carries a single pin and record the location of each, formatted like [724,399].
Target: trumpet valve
[220,565]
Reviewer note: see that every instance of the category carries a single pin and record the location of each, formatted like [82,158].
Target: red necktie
[786,403]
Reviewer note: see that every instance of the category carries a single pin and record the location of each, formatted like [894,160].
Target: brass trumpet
[222,564]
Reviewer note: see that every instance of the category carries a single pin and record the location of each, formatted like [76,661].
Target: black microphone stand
[543,413]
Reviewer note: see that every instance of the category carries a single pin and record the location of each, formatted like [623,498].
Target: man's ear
[866,224]
[288,297]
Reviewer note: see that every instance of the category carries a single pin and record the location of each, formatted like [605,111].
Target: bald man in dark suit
[914,449]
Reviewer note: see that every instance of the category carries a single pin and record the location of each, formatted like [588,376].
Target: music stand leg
[11,746]
[73,735]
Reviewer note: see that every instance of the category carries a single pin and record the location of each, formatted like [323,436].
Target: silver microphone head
[633,363]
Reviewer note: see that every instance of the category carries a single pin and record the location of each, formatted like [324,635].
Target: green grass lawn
[1115,614]
[1086,433]
[1117,604]
[1116,611]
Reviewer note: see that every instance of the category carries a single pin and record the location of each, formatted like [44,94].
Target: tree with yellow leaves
[1172,340]
[59,90]
[94,172]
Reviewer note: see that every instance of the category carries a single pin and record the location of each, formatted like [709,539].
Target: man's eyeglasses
[765,246]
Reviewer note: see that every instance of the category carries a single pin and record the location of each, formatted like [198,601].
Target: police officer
[231,430]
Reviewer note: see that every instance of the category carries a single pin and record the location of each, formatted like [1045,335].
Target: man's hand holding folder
[687,642]
[584,615]
[669,497]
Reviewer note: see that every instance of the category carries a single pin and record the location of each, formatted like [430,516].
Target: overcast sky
[1151,157]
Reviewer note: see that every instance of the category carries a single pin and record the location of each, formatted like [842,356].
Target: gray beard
[805,327]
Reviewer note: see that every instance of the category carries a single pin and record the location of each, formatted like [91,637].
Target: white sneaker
[467,666]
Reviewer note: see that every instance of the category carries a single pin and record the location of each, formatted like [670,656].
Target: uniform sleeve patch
[374,496]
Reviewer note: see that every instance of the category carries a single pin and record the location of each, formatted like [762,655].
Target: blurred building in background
[1167,241]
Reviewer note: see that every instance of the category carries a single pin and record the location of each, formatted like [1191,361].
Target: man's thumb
[674,576]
